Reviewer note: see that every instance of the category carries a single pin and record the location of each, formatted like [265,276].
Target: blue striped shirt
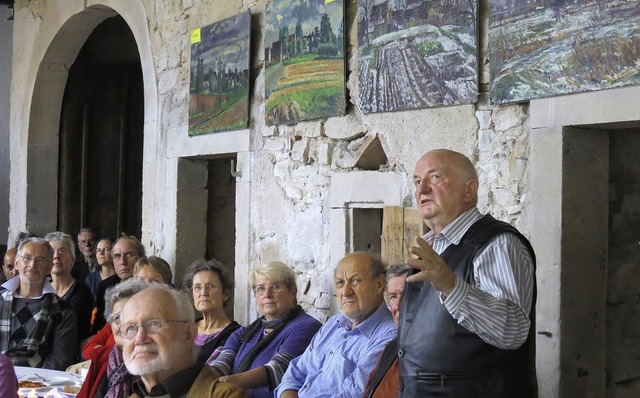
[496,306]
[339,359]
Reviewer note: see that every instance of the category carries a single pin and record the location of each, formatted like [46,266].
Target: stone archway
[39,79]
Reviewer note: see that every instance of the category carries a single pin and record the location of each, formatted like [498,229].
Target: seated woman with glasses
[255,357]
[108,376]
[210,290]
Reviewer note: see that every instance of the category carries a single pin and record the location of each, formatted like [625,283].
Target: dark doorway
[101,135]
[221,216]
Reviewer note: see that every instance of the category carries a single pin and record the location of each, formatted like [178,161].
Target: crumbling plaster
[286,170]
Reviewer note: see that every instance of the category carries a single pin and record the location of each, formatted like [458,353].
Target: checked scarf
[30,330]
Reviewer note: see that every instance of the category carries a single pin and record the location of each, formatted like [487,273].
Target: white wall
[6,38]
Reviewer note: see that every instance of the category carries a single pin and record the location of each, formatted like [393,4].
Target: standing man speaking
[466,312]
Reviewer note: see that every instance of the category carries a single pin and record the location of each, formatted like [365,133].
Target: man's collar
[458,227]
[13,284]
[368,326]
[175,385]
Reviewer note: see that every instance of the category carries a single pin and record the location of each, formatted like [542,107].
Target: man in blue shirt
[341,355]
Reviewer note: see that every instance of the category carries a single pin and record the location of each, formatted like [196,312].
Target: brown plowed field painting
[544,48]
[219,85]
[304,58]
[416,54]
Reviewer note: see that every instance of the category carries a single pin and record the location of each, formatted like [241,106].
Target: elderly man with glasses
[158,330]
[37,328]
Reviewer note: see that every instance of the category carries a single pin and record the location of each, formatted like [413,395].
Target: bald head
[360,281]
[456,161]
[446,185]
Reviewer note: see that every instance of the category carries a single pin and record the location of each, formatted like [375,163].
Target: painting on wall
[543,48]
[219,71]
[304,59]
[416,54]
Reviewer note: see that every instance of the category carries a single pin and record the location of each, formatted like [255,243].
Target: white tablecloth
[54,379]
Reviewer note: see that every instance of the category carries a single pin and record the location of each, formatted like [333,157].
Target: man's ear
[382,282]
[192,331]
[471,190]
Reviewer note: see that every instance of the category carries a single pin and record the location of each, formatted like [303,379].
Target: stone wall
[291,165]
[283,194]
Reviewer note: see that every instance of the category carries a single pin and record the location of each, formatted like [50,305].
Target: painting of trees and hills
[304,58]
[543,48]
[219,86]
[416,54]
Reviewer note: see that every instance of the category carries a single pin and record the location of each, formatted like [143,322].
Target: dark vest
[440,358]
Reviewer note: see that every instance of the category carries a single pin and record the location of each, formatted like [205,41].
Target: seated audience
[86,261]
[255,357]
[8,379]
[210,289]
[37,328]
[74,292]
[343,353]
[107,376]
[153,269]
[384,380]
[105,266]
[126,251]
[158,329]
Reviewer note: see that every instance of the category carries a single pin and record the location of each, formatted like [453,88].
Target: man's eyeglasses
[209,287]
[37,260]
[261,290]
[151,326]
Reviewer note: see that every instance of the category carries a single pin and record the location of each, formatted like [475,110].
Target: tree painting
[219,71]
[416,54]
[543,48]
[304,58]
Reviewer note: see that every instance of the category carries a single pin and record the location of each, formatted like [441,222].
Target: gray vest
[438,357]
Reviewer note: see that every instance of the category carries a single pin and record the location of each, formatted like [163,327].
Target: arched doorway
[101,135]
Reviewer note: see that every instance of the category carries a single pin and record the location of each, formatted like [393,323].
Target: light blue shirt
[338,361]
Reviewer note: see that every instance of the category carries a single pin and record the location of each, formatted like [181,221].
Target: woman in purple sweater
[255,357]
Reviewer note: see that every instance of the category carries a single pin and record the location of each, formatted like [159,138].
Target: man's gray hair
[90,230]
[66,240]
[122,291]
[139,245]
[396,270]
[37,241]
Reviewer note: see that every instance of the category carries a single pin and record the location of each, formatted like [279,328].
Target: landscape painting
[219,71]
[304,59]
[416,54]
[543,48]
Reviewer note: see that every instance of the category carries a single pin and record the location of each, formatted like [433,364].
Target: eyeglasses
[8,267]
[209,287]
[114,318]
[36,260]
[151,326]
[86,241]
[261,290]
